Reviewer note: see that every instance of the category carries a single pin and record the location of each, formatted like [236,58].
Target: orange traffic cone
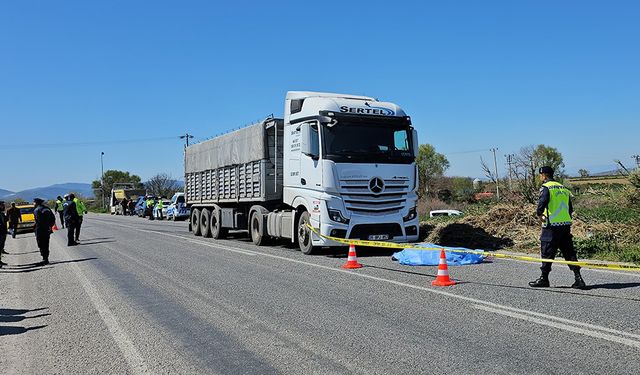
[352,261]
[443,272]
[54,228]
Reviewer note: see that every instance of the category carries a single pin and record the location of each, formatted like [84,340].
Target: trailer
[120,191]
[343,164]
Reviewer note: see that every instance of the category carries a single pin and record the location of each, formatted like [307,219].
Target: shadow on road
[27,252]
[17,315]
[614,286]
[86,242]
[9,330]
[72,260]
[18,318]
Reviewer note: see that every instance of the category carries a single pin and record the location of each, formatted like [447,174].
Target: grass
[612,214]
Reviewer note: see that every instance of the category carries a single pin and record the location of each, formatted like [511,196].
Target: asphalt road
[149,297]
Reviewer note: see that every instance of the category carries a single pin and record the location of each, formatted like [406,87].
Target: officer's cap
[38,200]
[546,170]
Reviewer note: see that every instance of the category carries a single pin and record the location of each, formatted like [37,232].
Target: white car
[436,213]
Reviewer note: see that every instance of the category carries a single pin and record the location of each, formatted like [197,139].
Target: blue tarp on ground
[415,257]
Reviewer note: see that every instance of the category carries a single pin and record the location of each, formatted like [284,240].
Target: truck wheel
[195,222]
[205,222]
[304,234]
[255,227]
[217,232]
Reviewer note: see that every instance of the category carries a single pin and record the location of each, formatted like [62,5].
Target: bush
[611,214]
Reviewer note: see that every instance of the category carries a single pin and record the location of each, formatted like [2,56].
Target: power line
[79,144]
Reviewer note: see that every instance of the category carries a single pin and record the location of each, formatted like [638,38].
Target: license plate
[378,237]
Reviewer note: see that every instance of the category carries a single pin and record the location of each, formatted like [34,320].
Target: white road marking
[591,330]
[126,346]
[562,326]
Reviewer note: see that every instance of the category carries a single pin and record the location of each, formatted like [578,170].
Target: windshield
[180,199]
[26,210]
[367,143]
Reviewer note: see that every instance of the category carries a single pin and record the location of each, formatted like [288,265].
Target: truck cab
[350,168]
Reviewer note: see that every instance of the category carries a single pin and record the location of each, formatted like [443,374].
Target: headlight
[411,215]
[336,215]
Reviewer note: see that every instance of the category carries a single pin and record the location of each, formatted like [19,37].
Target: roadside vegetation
[606,219]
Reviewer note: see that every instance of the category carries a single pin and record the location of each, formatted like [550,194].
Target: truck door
[310,173]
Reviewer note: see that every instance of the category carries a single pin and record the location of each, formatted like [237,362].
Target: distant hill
[4,193]
[50,192]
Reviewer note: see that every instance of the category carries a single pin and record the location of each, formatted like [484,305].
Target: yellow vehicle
[28,222]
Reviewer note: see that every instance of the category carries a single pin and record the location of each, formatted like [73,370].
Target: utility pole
[637,157]
[102,178]
[495,168]
[186,138]
[509,166]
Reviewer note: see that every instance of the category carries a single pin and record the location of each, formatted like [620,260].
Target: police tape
[393,245]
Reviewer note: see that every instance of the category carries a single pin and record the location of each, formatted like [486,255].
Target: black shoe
[579,283]
[45,262]
[72,244]
[542,282]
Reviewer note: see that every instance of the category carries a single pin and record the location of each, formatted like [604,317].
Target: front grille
[363,231]
[358,197]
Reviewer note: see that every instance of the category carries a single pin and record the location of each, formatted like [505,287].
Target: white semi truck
[345,164]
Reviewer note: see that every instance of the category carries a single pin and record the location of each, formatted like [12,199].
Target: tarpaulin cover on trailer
[415,257]
[238,147]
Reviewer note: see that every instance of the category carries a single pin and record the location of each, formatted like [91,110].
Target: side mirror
[416,144]
[309,142]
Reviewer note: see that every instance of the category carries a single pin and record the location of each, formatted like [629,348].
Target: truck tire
[205,222]
[255,228]
[195,222]
[217,232]
[304,234]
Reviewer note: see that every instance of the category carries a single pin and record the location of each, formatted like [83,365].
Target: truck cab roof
[303,104]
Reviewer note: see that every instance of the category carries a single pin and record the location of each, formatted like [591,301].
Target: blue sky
[472,74]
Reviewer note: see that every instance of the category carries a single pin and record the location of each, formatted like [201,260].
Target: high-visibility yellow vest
[160,204]
[59,206]
[79,206]
[557,211]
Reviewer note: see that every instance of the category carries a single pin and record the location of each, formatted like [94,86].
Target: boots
[542,282]
[579,283]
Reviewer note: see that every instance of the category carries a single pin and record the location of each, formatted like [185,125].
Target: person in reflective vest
[159,208]
[59,208]
[554,210]
[80,207]
[149,208]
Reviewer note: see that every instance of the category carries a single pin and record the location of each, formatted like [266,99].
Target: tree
[112,177]
[528,161]
[162,185]
[431,164]
[583,173]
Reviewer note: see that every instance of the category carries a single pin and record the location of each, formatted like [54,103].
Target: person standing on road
[80,207]
[45,220]
[71,219]
[555,209]
[124,206]
[14,218]
[59,208]
[149,208]
[3,231]
[159,207]
[132,207]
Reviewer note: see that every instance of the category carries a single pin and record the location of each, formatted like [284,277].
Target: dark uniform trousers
[43,244]
[554,238]
[77,229]
[71,230]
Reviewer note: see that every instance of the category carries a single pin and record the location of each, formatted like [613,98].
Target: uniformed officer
[82,209]
[149,208]
[59,208]
[555,209]
[45,220]
[3,231]
[159,207]
[70,219]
